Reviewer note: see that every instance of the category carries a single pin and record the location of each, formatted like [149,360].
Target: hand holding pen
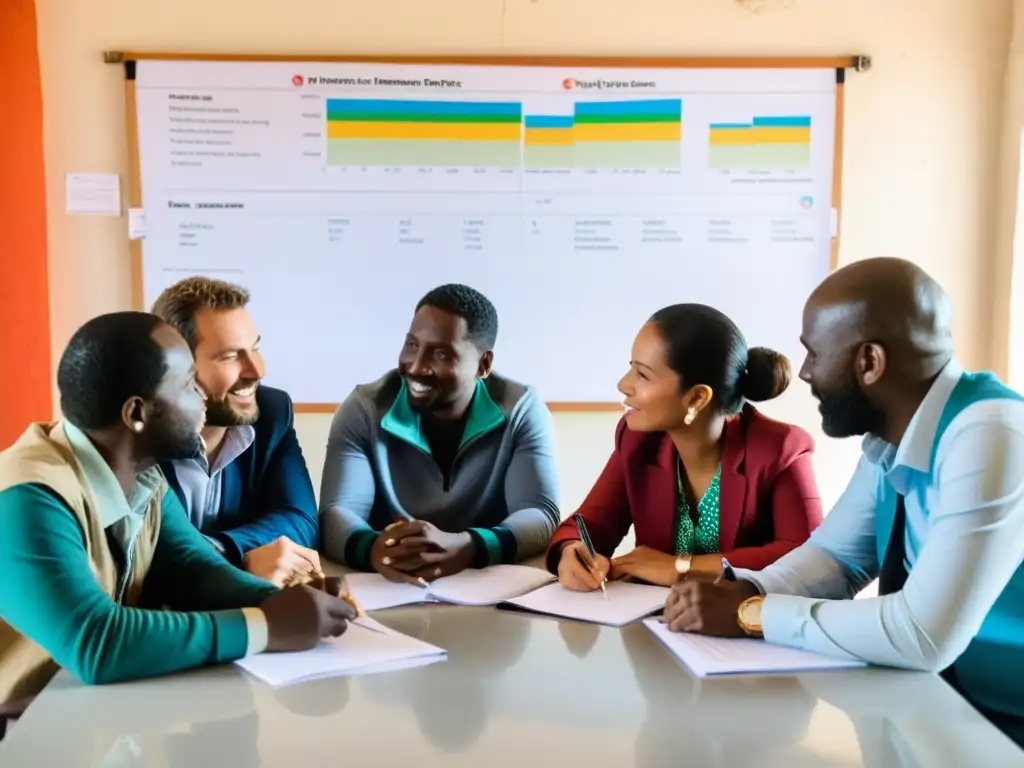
[580,567]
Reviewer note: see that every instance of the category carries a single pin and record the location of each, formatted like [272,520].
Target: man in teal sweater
[453,462]
[89,532]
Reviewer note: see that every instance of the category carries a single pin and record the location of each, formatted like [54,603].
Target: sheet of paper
[375,593]
[136,224]
[97,194]
[366,647]
[705,656]
[626,602]
[489,586]
[483,586]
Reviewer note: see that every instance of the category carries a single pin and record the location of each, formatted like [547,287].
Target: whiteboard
[578,199]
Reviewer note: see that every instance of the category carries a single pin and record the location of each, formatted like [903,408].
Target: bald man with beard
[934,510]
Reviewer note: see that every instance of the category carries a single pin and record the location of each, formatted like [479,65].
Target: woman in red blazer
[696,470]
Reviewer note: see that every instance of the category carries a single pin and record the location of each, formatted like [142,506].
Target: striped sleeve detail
[493,546]
[357,550]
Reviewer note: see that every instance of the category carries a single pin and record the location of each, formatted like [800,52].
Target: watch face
[751,612]
[682,565]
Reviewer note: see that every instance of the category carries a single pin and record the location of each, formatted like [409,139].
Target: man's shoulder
[275,404]
[991,416]
[378,396]
[508,394]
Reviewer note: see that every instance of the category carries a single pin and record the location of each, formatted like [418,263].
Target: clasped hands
[418,552]
[700,601]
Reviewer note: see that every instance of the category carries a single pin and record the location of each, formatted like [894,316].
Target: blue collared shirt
[202,482]
[964,541]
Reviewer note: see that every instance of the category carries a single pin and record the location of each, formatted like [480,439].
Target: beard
[219,413]
[847,411]
[173,436]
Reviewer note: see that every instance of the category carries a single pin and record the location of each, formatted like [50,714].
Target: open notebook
[366,647]
[484,586]
[626,602]
[705,656]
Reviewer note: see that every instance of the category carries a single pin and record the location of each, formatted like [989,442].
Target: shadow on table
[450,698]
[579,637]
[148,722]
[723,722]
[910,719]
[316,698]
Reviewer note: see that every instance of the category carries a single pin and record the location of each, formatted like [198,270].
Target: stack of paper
[367,646]
[705,656]
[485,586]
[626,602]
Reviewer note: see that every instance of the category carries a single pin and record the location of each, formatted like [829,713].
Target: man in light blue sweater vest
[935,508]
[440,465]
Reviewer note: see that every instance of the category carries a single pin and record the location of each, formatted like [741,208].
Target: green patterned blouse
[703,540]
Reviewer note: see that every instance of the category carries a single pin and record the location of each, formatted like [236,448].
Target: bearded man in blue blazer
[249,492]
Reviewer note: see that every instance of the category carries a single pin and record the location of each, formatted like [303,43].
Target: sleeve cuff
[357,549]
[493,546]
[256,626]
[784,618]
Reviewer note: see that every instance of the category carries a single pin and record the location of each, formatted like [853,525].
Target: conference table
[515,690]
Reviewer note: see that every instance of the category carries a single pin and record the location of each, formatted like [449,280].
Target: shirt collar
[106,490]
[236,442]
[404,423]
[915,448]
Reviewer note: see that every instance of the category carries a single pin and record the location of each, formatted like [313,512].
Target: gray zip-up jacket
[503,484]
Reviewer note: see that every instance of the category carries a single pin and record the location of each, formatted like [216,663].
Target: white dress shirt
[964,541]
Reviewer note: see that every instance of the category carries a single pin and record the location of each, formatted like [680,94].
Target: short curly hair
[179,304]
[108,361]
[472,306]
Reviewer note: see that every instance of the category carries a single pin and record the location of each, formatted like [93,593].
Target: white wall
[922,132]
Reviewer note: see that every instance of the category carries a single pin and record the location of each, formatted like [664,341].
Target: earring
[691,414]
[137,426]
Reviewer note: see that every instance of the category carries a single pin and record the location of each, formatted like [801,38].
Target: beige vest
[42,455]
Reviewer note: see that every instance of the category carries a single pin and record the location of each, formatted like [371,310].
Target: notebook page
[488,586]
[375,593]
[362,649]
[626,602]
[705,656]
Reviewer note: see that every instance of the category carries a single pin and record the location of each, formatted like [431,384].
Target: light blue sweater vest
[991,670]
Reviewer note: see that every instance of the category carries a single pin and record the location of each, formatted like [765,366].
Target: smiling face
[653,399]
[229,365]
[439,363]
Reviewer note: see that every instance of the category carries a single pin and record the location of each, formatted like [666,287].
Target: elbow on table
[933,653]
[97,666]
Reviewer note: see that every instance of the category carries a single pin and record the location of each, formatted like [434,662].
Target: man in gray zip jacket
[440,465]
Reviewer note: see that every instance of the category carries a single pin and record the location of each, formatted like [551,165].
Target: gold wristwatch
[748,616]
[683,563]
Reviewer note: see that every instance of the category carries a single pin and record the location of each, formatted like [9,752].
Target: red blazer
[768,504]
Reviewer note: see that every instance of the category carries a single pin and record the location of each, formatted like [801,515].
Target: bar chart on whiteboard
[558,192]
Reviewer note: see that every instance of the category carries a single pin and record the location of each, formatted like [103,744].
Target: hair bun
[767,375]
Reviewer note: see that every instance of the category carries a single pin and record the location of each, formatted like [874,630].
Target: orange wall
[25,387]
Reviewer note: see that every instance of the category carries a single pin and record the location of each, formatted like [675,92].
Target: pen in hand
[581,528]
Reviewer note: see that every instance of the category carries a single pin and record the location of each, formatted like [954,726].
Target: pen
[581,528]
